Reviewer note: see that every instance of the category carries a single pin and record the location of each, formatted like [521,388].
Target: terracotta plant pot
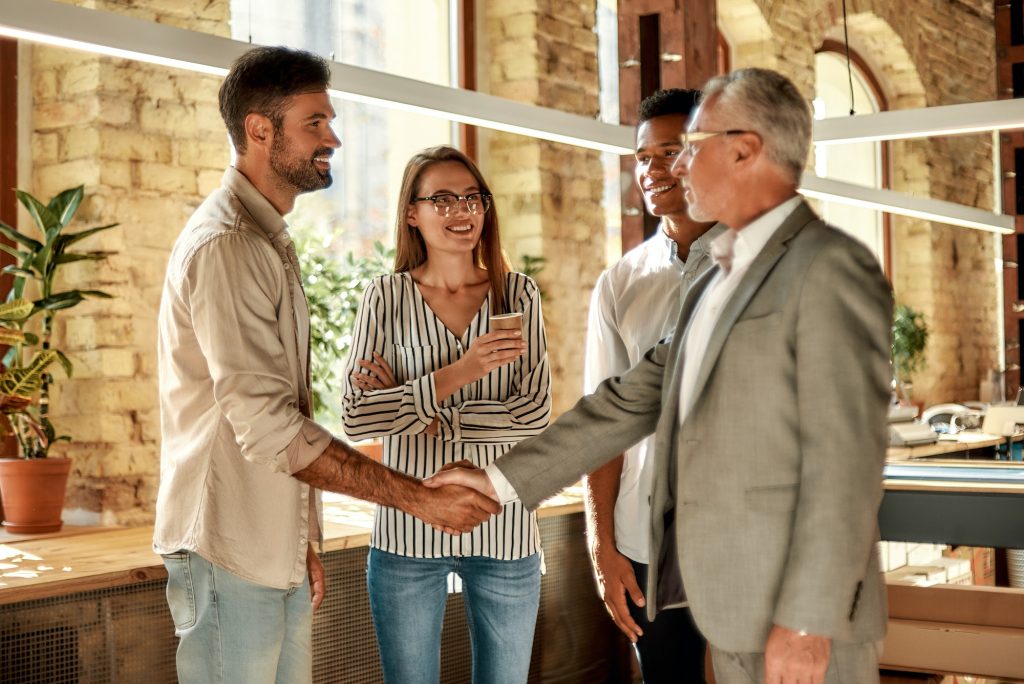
[33,493]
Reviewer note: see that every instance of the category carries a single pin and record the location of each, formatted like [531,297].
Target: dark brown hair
[411,250]
[262,81]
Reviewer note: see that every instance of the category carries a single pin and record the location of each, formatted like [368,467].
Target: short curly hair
[668,101]
[262,81]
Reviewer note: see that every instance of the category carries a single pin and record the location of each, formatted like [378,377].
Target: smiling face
[461,230]
[704,172]
[300,154]
[657,146]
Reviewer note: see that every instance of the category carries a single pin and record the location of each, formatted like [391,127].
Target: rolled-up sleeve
[229,288]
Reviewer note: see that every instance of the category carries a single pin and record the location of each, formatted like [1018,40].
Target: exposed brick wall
[545,52]
[923,52]
[148,144]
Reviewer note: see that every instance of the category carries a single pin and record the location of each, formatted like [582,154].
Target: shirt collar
[744,245]
[263,212]
[700,247]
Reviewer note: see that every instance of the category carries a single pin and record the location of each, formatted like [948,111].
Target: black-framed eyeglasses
[445,203]
[690,139]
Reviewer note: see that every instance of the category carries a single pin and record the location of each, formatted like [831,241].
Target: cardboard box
[958,570]
[978,650]
[983,562]
[892,555]
[917,575]
[923,554]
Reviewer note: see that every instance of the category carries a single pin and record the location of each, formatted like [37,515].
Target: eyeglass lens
[476,203]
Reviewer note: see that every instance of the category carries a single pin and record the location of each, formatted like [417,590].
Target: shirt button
[287,267]
[302,540]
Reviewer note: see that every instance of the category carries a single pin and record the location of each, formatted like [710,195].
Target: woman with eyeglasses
[429,374]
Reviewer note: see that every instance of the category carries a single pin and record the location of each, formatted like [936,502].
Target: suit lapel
[748,286]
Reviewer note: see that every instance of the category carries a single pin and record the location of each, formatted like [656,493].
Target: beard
[697,212]
[300,174]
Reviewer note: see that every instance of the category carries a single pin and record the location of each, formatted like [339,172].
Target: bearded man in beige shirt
[242,461]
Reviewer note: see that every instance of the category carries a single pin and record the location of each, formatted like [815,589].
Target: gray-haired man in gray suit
[770,445]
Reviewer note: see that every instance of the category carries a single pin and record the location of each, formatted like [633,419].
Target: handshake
[460,497]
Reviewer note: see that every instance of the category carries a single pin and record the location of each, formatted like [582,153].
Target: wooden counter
[953,444]
[83,559]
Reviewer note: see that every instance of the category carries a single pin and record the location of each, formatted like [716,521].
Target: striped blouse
[479,422]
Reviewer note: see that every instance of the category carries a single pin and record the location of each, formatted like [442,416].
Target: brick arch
[938,269]
[747,32]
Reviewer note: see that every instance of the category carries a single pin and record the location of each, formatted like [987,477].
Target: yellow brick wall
[544,52]
[149,144]
[923,52]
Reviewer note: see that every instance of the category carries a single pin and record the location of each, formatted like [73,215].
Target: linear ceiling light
[957,119]
[55,23]
[905,205]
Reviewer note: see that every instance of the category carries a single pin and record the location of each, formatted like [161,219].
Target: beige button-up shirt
[233,351]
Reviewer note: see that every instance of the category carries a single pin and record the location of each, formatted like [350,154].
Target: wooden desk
[964,442]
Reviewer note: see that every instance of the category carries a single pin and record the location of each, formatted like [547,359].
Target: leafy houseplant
[334,289]
[27,327]
[909,337]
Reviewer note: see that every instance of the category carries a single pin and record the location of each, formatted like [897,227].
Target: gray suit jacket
[766,498]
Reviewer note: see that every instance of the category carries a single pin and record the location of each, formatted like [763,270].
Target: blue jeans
[232,630]
[407,599]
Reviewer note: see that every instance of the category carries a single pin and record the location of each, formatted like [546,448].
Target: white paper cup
[509,321]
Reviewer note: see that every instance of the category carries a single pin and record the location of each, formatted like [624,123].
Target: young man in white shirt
[634,305]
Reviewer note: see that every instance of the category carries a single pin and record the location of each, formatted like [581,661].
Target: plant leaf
[65,363]
[10,336]
[72,238]
[80,256]
[17,236]
[43,217]
[64,205]
[20,272]
[17,254]
[24,382]
[16,310]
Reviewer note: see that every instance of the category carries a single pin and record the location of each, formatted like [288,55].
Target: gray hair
[767,102]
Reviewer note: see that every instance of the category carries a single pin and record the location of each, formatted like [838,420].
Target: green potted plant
[334,289]
[33,486]
[909,338]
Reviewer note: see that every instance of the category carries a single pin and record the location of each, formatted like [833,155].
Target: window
[859,163]
[376,142]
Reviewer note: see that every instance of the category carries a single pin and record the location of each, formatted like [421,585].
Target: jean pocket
[181,595]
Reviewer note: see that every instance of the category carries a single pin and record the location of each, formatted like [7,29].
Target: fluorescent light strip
[905,205]
[55,23]
[901,124]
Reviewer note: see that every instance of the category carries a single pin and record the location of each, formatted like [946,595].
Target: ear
[747,149]
[259,130]
[410,216]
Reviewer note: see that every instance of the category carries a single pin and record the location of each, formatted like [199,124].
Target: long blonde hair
[411,250]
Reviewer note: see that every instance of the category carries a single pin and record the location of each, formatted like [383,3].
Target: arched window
[860,163]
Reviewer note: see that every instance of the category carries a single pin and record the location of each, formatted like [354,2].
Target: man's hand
[474,478]
[792,658]
[454,509]
[317,583]
[615,577]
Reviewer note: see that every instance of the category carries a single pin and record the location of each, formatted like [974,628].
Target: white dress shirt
[733,251]
[634,306]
